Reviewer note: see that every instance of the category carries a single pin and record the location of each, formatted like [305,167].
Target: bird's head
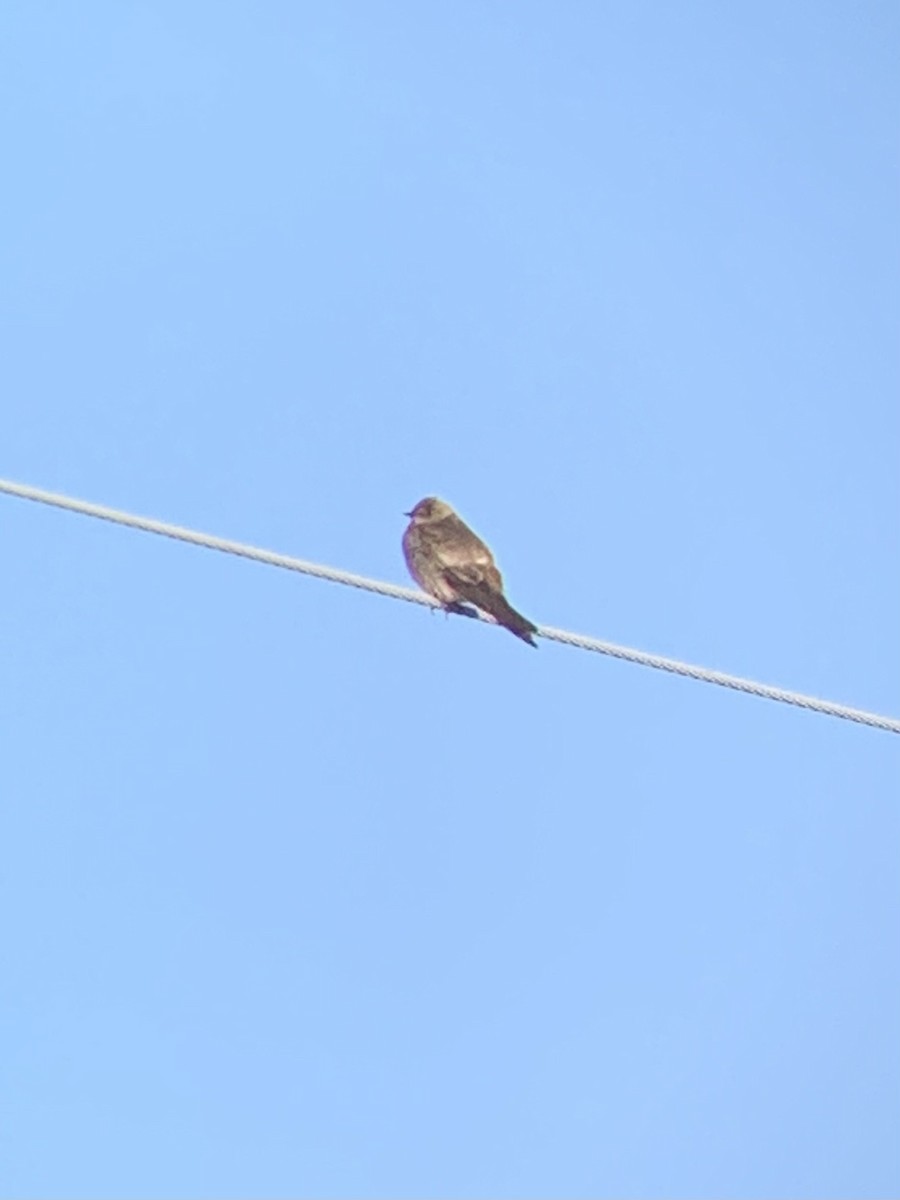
[430,509]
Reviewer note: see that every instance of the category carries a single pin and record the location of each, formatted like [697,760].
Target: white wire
[767,692]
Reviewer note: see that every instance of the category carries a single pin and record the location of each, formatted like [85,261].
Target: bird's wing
[457,546]
[469,581]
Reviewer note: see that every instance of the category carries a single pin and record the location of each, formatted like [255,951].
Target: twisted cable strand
[288,563]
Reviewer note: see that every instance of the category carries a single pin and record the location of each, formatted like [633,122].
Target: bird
[452,564]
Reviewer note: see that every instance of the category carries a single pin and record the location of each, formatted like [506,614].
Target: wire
[180,534]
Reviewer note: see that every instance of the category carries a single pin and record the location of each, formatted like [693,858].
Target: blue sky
[309,892]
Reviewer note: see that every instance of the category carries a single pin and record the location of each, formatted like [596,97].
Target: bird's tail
[504,614]
[491,600]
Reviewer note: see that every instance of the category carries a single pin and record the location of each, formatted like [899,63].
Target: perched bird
[454,565]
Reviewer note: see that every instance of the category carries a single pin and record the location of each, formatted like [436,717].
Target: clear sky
[309,892]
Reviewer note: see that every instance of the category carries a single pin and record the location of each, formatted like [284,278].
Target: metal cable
[735,682]
[101,511]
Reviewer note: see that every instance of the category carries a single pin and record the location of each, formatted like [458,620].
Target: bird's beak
[409,514]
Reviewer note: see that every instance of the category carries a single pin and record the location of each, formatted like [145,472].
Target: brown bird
[453,564]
